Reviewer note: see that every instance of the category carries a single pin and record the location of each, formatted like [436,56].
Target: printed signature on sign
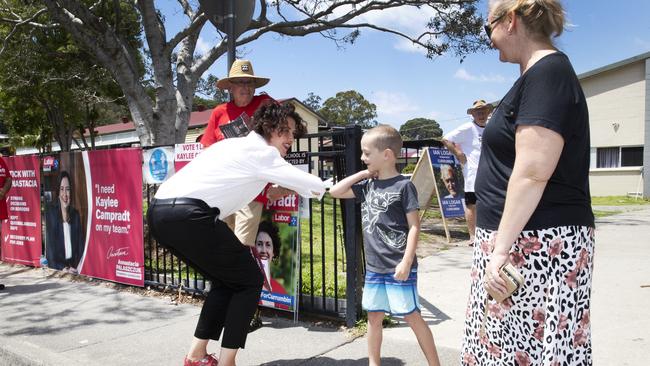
[119,252]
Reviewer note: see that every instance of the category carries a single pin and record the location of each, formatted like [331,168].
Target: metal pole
[353,240]
[230,19]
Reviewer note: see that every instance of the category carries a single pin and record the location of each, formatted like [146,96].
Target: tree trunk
[62,132]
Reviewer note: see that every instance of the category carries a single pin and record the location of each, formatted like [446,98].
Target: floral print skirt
[546,322]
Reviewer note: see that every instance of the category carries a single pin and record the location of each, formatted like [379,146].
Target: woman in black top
[532,188]
[64,236]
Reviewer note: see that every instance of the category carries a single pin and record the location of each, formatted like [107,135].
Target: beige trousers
[245,222]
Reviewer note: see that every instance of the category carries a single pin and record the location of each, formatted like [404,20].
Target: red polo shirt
[224,113]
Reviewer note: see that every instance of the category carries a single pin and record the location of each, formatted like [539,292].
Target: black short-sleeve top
[546,95]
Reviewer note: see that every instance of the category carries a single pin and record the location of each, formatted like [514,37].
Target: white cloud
[408,20]
[463,74]
[405,18]
[408,46]
[393,108]
[391,103]
[644,44]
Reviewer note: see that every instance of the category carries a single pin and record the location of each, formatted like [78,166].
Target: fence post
[353,240]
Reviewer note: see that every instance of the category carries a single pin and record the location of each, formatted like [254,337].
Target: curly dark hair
[273,231]
[273,117]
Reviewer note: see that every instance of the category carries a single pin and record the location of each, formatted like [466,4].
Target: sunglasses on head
[488,25]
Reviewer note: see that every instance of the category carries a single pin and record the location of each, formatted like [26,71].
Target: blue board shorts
[382,292]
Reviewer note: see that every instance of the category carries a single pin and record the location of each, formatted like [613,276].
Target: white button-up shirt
[231,173]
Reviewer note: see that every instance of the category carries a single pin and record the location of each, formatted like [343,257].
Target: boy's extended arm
[343,189]
[404,267]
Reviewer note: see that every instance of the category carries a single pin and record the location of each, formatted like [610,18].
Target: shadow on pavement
[438,316]
[322,361]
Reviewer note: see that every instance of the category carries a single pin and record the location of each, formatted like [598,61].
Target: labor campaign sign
[277,246]
[114,244]
[21,226]
[184,153]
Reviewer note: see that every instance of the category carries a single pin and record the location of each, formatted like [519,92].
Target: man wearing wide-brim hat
[465,143]
[241,84]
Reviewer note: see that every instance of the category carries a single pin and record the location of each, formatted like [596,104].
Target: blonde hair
[543,18]
[385,137]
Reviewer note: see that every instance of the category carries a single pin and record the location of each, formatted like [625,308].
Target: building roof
[197,119]
[615,65]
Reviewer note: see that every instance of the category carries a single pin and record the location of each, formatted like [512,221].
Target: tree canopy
[420,128]
[313,101]
[349,107]
[50,88]
[174,65]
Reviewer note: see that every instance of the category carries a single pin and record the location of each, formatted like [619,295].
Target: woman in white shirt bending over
[186,218]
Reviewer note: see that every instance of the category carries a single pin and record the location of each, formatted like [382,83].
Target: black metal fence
[331,259]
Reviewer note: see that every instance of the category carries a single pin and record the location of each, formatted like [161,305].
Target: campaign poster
[115,244]
[21,232]
[449,178]
[157,164]
[66,211]
[278,246]
[184,153]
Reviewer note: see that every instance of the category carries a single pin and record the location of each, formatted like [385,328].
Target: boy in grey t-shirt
[391,227]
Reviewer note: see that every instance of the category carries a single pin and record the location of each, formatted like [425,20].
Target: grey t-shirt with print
[384,205]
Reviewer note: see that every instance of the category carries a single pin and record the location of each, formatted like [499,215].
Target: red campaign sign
[184,153]
[21,232]
[115,246]
[287,203]
[282,217]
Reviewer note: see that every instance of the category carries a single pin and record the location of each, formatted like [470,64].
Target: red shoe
[208,360]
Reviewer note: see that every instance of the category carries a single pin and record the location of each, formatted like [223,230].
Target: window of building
[632,156]
[616,157]
[607,157]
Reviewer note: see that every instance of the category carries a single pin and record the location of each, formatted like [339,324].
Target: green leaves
[349,107]
[420,128]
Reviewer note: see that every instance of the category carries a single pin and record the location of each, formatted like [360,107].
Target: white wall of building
[617,101]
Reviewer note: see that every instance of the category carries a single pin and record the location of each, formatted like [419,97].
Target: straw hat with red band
[479,104]
[241,69]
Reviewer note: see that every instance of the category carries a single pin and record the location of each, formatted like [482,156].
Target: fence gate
[331,260]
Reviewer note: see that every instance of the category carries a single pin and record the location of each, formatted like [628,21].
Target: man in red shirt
[5,183]
[241,84]
[230,117]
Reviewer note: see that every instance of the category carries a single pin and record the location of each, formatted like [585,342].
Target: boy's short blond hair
[385,137]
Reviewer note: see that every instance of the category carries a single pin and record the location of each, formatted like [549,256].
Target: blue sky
[404,84]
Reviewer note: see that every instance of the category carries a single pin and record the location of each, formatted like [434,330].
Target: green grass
[314,249]
[432,213]
[618,201]
[600,213]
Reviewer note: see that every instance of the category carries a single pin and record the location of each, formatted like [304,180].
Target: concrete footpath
[46,320]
